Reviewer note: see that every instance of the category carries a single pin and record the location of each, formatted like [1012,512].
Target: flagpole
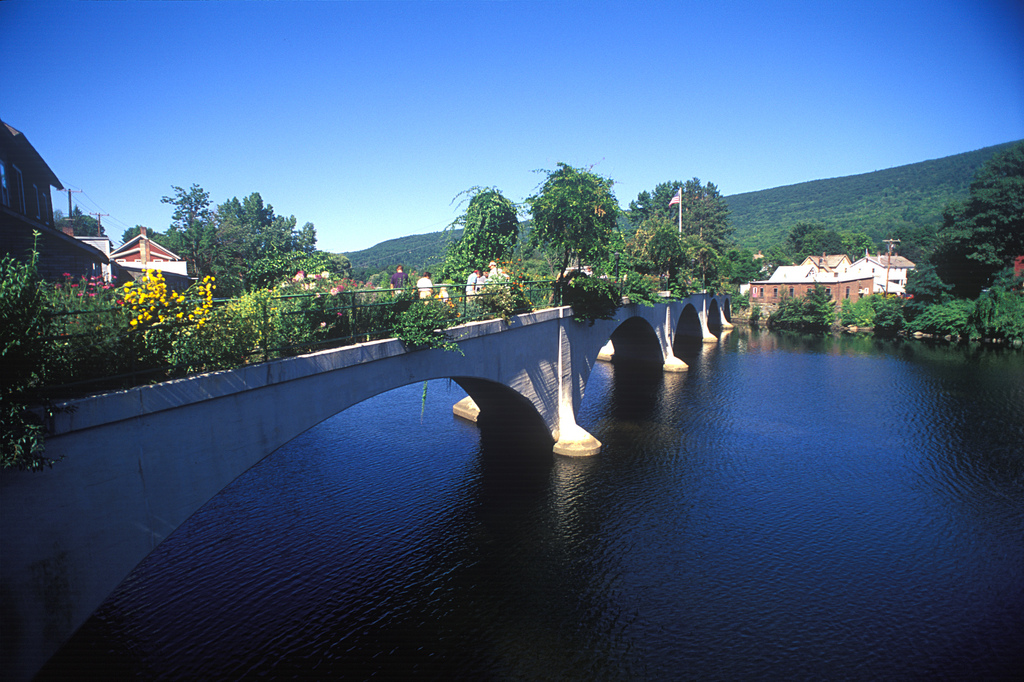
[680,191]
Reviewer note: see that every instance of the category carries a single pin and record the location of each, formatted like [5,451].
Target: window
[828,292]
[35,191]
[791,291]
[19,190]
[775,292]
[5,196]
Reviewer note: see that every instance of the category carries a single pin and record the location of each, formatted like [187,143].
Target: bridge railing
[95,348]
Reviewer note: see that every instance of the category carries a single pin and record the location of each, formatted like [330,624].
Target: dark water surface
[790,508]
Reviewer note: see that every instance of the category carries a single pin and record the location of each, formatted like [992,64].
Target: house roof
[805,274]
[895,261]
[24,155]
[884,260]
[830,261]
[132,246]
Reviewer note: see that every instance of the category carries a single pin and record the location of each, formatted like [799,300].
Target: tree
[924,288]
[983,236]
[655,248]
[856,244]
[811,238]
[705,212]
[193,231]
[158,237]
[742,266]
[490,230]
[83,225]
[574,215]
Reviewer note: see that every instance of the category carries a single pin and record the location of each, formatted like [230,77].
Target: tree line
[243,243]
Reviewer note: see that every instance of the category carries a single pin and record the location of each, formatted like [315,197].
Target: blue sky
[368,118]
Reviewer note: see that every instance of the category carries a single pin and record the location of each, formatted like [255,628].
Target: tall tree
[574,215]
[706,214]
[490,230]
[193,231]
[983,236]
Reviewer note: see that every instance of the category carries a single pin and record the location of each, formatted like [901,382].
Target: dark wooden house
[25,209]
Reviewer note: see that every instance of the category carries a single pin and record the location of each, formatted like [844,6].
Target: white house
[889,272]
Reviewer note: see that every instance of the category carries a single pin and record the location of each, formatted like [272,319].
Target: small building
[790,281]
[26,210]
[141,253]
[888,270]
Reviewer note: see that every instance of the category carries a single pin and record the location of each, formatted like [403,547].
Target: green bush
[506,294]
[999,314]
[640,288]
[22,363]
[888,315]
[859,313]
[813,312]
[945,319]
[591,298]
[423,325]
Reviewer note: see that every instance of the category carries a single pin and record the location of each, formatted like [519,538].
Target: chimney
[143,246]
[67,228]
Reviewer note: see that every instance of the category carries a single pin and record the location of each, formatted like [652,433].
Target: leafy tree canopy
[83,225]
[574,215]
[490,230]
[704,212]
[983,235]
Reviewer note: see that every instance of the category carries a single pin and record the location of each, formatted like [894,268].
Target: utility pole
[99,224]
[69,191]
[888,261]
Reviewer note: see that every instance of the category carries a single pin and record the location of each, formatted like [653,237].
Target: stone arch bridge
[137,463]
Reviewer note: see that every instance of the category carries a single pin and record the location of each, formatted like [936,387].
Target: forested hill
[416,252]
[883,203]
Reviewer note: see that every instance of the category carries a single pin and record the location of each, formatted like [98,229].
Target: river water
[791,508]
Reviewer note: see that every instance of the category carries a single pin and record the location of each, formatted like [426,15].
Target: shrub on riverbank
[814,312]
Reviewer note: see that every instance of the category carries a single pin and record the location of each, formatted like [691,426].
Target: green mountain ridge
[881,204]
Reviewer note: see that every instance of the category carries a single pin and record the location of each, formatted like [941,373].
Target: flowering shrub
[162,322]
[85,293]
[152,303]
[506,294]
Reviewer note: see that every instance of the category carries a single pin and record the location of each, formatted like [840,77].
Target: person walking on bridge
[399,279]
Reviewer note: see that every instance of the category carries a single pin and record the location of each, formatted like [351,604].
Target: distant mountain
[879,204]
[416,252]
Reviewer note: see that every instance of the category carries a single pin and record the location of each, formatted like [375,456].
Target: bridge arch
[689,322]
[635,340]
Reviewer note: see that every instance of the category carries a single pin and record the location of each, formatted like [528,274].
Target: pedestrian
[399,279]
[471,282]
[425,286]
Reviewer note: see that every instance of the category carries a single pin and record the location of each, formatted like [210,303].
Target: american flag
[677,197]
